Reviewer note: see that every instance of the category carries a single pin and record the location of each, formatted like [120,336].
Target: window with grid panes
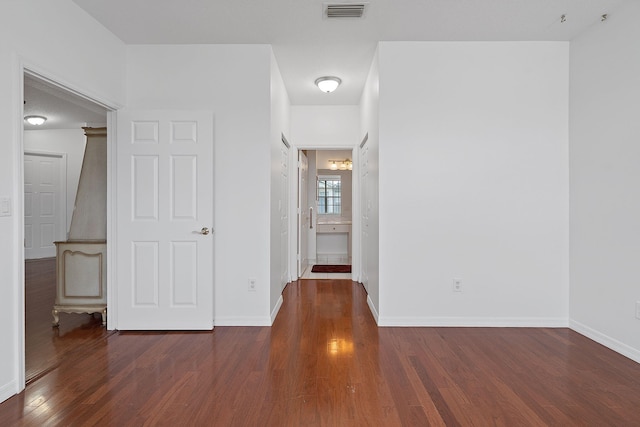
[329,195]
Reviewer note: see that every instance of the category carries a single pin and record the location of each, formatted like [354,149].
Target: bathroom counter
[322,221]
[335,228]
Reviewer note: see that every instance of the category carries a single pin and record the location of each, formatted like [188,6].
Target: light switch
[5,206]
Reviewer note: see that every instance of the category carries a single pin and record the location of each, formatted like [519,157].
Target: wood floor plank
[324,362]
[46,346]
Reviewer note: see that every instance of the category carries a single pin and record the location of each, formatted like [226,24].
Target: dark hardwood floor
[324,362]
[46,347]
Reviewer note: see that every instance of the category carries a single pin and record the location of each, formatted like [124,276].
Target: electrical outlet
[637,309]
[457,285]
[252,284]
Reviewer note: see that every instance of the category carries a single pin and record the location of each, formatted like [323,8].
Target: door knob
[204,231]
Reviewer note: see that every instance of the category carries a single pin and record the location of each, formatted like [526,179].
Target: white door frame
[302,256]
[355,205]
[25,67]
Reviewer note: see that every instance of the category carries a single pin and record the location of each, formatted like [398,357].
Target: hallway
[325,362]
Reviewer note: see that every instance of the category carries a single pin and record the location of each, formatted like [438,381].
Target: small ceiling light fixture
[35,120]
[328,83]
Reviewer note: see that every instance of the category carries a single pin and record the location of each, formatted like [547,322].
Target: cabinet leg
[104,317]
[56,318]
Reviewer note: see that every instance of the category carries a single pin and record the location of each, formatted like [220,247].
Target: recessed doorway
[325,214]
[53,158]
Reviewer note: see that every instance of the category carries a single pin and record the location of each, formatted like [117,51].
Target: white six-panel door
[365,208]
[284,214]
[44,210]
[164,220]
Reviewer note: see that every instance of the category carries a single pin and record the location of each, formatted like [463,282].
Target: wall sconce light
[343,165]
[35,120]
[328,83]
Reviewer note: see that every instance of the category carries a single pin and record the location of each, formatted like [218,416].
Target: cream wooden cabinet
[81,261]
[81,278]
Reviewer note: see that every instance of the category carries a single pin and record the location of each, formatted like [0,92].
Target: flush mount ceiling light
[35,120]
[328,83]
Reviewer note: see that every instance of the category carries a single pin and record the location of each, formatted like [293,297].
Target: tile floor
[307,274]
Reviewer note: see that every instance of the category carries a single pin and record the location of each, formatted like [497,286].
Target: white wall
[324,156]
[53,38]
[474,183]
[233,82]
[325,126]
[280,198]
[322,167]
[62,141]
[368,194]
[605,172]
[346,197]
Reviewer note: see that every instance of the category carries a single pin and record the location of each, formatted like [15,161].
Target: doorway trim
[23,67]
[355,208]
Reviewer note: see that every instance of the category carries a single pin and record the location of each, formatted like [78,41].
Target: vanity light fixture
[344,165]
[328,83]
[35,120]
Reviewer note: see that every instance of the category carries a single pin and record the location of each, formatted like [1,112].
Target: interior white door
[164,220]
[304,214]
[284,214]
[365,207]
[44,209]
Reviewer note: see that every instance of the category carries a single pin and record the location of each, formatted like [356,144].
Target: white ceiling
[63,109]
[308,46]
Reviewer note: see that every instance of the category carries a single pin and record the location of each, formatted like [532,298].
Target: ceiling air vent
[344,10]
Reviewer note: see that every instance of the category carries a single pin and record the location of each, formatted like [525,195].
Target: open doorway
[325,214]
[54,153]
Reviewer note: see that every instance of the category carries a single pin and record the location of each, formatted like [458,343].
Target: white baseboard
[250,320]
[476,322]
[8,390]
[243,321]
[605,340]
[372,307]
[276,309]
